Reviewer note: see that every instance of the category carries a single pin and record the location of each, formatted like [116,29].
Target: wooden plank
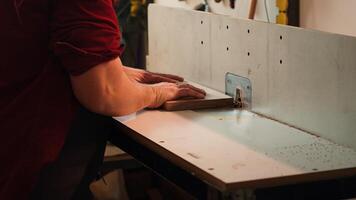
[194,104]
[213,99]
[232,149]
[301,77]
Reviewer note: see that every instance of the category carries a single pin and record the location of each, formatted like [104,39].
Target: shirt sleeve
[84,33]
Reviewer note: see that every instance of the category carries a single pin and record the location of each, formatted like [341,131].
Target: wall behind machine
[336,16]
[241,7]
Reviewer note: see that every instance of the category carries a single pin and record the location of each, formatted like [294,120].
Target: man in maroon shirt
[59,64]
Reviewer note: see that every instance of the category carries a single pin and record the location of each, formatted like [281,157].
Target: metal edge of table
[295,179]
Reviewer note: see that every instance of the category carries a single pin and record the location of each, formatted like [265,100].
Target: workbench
[301,124]
[230,149]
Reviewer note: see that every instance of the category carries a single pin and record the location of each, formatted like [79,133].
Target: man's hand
[147,77]
[171,91]
[106,89]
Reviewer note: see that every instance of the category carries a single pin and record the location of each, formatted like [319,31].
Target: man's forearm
[106,89]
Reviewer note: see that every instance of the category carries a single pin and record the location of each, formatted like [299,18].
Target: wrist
[150,96]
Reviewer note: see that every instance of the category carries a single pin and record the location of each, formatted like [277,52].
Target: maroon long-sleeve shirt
[42,42]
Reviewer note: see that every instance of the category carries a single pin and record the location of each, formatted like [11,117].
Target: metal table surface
[230,149]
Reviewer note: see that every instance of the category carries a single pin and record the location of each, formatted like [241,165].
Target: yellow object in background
[135,6]
[282,17]
[282,5]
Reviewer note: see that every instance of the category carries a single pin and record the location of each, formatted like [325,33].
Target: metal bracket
[240,88]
